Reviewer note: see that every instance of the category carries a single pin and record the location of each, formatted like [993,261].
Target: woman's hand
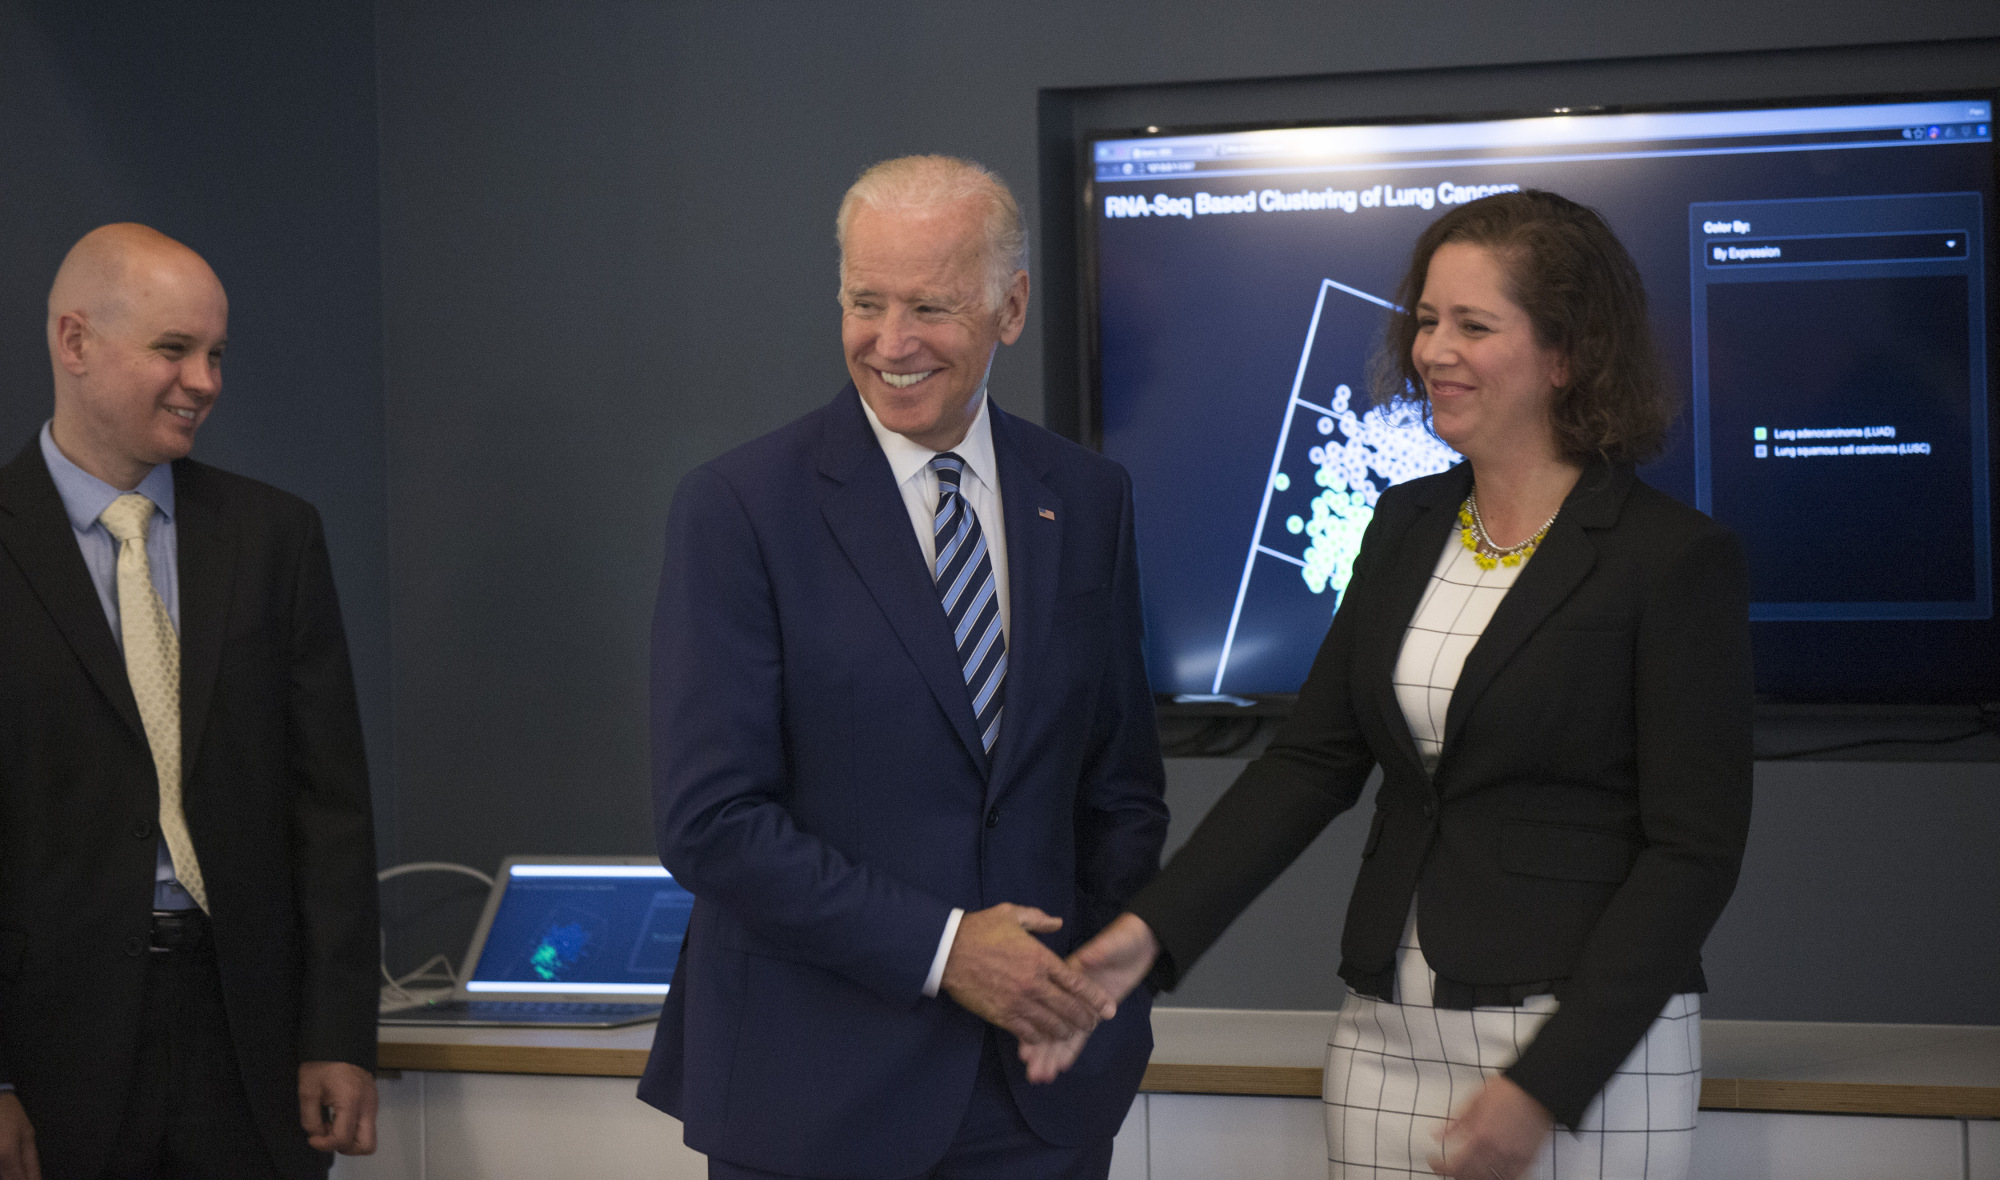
[1495,1136]
[1116,960]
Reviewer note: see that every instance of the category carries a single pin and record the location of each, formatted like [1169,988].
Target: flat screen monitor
[1818,277]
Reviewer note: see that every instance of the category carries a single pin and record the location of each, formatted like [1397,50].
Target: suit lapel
[1560,562]
[1408,575]
[865,512]
[206,559]
[1034,552]
[35,531]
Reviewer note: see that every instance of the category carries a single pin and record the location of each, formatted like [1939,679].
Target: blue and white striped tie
[964,575]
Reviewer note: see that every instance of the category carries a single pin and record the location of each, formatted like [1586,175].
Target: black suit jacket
[275,792]
[1587,817]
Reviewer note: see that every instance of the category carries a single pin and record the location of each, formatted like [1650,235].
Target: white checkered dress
[1395,1071]
[1450,618]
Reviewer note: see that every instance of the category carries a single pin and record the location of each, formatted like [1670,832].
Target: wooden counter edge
[1283,1081]
[1865,1098]
[449,1058]
[1747,1094]
[1750,1094]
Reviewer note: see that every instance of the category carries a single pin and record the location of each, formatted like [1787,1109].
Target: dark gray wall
[600,254]
[248,132]
[607,258]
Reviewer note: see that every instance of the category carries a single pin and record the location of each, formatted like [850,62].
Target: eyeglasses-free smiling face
[1491,383]
[915,324]
[142,345]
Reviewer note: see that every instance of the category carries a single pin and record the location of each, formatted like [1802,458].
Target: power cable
[436,970]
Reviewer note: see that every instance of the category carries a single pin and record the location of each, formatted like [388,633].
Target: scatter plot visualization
[560,947]
[563,941]
[1327,470]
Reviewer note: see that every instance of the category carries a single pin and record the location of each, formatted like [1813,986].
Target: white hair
[928,182]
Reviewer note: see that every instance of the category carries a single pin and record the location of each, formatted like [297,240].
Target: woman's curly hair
[1582,292]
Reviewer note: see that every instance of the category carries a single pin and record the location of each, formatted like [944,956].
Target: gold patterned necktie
[153,665]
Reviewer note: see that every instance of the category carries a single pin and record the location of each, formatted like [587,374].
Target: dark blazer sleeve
[1314,769]
[1121,819]
[1691,703]
[720,771]
[333,858]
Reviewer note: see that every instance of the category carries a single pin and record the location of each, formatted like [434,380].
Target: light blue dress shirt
[84,498]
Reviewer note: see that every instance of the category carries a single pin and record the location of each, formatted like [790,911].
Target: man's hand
[1116,960]
[1000,973]
[17,1141]
[1495,1136]
[348,1092]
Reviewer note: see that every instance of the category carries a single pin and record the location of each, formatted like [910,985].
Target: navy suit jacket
[820,786]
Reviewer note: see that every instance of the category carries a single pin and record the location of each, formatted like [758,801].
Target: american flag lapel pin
[1046,513]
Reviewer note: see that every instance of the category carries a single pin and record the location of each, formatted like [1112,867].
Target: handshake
[1000,972]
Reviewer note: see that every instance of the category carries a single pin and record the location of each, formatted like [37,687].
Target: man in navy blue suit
[904,748]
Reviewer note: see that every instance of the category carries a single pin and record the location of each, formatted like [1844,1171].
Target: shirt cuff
[936,978]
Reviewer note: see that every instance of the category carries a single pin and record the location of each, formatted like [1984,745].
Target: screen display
[611,929]
[1818,282]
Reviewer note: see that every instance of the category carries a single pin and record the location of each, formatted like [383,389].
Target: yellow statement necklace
[1485,554]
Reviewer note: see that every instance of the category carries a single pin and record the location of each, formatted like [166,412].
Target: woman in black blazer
[1549,660]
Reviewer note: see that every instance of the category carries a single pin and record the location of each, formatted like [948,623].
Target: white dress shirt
[910,462]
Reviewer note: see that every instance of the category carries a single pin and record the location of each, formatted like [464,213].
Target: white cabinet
[471,1126]
[1203,1136]
[1982,1151]
[1735,1145]
[487,1126]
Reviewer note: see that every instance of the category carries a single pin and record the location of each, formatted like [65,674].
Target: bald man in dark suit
[187,895]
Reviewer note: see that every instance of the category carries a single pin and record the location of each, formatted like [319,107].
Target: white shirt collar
[907,458]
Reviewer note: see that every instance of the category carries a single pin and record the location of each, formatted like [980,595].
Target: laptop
[567,942]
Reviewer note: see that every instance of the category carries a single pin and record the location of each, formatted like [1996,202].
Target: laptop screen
[607,929]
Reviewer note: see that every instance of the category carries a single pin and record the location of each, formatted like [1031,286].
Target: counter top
[1939,1071]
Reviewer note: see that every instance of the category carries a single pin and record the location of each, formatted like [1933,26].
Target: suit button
[142,829]
[993,818]
[135,946]
[1430,811]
